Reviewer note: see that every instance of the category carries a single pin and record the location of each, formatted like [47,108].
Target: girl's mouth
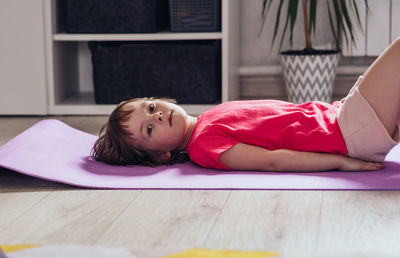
[170,118]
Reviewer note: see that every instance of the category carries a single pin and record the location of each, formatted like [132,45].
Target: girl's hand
[351,164]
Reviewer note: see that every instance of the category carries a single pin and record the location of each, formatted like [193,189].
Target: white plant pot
[309,77]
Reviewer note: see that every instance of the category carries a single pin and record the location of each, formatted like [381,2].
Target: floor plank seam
[29,208]
[319,222]
[118,216]
[217,218]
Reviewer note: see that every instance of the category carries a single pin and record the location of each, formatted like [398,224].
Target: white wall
[22,59]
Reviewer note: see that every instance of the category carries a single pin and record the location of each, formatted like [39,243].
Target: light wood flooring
[154,223]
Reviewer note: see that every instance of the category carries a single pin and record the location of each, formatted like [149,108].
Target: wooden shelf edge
[98,109]
[138,37]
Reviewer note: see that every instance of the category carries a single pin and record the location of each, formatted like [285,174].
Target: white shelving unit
[69,70]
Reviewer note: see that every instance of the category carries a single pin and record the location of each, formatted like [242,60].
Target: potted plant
[309,73]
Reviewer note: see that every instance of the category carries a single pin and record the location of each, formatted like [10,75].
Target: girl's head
[144,131]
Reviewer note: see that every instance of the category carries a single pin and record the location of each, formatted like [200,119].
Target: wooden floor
[154,223]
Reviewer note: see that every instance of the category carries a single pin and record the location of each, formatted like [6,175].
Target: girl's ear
[163,156]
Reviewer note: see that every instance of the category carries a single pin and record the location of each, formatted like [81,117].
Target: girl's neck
[191,124]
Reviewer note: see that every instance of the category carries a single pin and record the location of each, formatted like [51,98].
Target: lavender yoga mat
[54,151]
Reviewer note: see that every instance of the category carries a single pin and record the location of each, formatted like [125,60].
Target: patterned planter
[309,77]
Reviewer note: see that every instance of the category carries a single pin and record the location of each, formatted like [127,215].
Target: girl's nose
[158,116]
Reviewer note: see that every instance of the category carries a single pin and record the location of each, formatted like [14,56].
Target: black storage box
[188,71]
[199,15]
[115,16]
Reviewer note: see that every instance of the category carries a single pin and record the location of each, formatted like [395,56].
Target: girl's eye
[151,108]
[149,129]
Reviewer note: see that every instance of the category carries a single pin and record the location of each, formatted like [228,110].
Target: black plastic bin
[115,16]
[198,15]
[188,71]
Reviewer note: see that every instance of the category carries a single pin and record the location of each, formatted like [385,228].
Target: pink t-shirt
[271,124]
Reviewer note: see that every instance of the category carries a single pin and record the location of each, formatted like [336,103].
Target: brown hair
[114,145]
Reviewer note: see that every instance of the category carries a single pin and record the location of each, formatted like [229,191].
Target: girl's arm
[248,157]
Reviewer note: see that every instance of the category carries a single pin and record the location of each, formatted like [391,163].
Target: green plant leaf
[264,12]
[284,31]
[292,12]
[332,25]
[265,9]
[277,22]
[357,13]
[347,21]
[312,14]
[339,24]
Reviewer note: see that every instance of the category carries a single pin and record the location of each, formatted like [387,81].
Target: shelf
[69,62]
[92,109]
[83,103]
[138,37]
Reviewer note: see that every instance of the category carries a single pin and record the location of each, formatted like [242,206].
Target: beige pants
[365,136]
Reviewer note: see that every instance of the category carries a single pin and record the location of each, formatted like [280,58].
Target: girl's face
[157,125]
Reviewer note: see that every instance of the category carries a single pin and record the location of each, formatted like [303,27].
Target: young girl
[267,135]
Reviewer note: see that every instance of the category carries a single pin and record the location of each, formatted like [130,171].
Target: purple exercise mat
[54,151]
